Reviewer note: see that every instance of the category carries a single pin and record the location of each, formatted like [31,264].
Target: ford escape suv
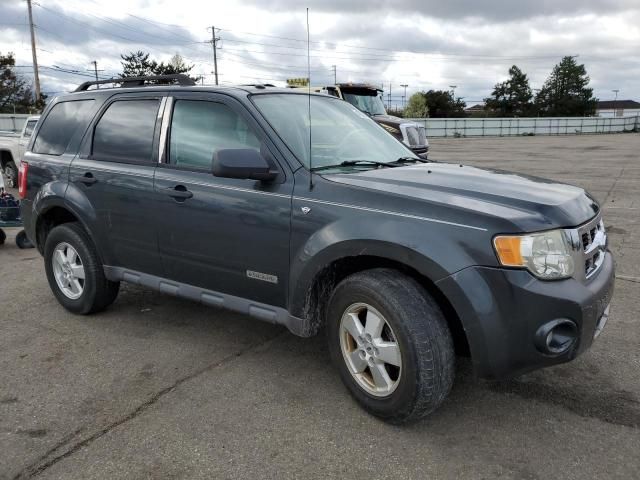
[299,210]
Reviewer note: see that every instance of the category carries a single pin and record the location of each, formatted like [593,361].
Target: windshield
[339,132]
[367,101]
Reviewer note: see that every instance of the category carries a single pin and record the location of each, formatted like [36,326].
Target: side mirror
[244,163]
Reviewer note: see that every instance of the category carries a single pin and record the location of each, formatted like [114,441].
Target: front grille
[594,241]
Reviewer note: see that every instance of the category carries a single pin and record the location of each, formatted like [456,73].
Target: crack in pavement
[615,183]
[628,278]
[617,408]
[36,468]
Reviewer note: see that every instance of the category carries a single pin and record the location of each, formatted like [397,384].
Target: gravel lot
[158,387]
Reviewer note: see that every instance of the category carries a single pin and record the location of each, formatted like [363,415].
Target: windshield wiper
[352,163]
[411,160]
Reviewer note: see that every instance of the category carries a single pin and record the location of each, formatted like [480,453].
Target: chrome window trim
[166,108]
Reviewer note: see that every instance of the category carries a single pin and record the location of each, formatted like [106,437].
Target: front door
[114,172]
[226,235]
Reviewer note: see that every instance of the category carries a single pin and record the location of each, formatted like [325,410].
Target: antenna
[309,97]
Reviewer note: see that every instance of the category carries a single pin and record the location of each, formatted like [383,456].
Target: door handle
[178,192]
[87,178]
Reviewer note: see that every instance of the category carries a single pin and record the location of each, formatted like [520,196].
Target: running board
[261,311]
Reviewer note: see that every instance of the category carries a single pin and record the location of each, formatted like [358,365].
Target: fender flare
[304,273]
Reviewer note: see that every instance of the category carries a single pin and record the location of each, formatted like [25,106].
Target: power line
[383,49]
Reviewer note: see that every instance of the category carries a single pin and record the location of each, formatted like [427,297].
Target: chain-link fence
[477,127]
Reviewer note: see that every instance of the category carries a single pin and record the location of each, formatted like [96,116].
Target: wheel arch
[312,296]
[52,209]
[50,218]
[6,156]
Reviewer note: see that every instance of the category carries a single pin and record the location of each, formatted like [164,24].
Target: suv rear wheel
[75,272]
[391,344]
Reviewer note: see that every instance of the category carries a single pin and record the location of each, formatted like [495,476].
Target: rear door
[114,172]
[221,234]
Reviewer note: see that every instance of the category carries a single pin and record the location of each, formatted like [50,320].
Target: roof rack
[179,78]
[257,85]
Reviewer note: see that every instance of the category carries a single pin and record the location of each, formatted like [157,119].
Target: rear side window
[199,128]
[125,132]
[61,124]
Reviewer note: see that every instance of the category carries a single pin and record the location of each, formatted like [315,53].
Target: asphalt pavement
[158,387]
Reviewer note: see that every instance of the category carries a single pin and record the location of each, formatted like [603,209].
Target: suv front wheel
[391,344]
[75,272]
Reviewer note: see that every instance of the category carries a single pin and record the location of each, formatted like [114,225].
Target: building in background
[623,108]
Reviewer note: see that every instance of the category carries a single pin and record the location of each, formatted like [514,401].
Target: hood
[389,120]
[530,203]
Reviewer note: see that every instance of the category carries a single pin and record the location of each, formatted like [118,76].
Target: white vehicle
[12,149]
[366,98]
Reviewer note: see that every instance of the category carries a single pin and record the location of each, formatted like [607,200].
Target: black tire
[421,332]
[98,292]
[22,241]
[3,237]
[11,174]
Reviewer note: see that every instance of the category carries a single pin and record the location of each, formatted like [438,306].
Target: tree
[16,92]
[442,104]
[416,106]
[511,98]
[565,93]
[138,64]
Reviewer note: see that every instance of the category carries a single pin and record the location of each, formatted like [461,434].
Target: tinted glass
[125,131]
[58,128]
[31,124]
[199,128]
[340,132]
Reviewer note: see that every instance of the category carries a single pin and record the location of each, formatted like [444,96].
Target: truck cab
[12,149]
[367,98]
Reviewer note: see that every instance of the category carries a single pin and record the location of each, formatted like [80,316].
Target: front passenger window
[199,128]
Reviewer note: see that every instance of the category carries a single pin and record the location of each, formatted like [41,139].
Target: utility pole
[33,53]
[95,70]
[389,95]
[214,44]
[335,76]
[404,97]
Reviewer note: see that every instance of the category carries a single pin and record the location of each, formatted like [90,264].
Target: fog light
[556,337]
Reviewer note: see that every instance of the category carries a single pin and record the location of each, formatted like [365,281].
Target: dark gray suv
[299,210]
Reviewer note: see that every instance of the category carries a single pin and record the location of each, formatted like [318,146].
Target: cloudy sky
[423,43]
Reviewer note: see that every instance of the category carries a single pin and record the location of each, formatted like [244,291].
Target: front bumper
[502,310]
[421,151]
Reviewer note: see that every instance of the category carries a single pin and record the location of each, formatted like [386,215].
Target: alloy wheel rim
[68,270]
[370,350]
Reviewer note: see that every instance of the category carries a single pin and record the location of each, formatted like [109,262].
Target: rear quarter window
[60,125]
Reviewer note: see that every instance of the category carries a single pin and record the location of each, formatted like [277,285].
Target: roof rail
[179,78]
[257,85]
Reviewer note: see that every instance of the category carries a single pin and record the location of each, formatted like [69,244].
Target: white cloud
[465,43]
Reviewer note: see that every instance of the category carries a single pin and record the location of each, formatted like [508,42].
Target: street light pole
[615,102]
[404,97]
[453,91]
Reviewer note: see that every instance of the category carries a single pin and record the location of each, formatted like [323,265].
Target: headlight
[547,255]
